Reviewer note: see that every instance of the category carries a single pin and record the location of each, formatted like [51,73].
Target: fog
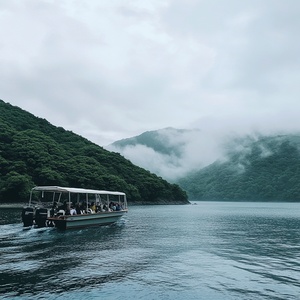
[195,149]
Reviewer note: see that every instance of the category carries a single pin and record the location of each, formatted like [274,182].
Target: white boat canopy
[59,189]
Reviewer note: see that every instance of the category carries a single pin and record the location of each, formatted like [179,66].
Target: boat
[67,207]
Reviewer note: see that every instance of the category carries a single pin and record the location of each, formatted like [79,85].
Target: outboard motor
[27,216]
[41,215]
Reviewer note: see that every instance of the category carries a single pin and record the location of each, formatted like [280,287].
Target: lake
[212,250]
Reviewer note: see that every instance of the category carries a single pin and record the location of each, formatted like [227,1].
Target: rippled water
[204,251]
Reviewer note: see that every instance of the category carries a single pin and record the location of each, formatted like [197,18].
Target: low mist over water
[211,250]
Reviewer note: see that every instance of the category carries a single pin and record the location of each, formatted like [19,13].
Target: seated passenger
[93,207]
[101,207]
[73,211]
[83,208]
[53,209]
[63,206]
[67,212]
[78,210]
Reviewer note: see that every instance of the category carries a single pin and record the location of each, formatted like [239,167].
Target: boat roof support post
[87,201]
[59,197]
[30,198]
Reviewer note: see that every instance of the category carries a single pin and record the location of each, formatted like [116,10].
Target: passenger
[73,211]
[63,206]
[118,207]
[78,210]
[53,209]
[83,208]
[98,208]
[67,211]
[93,207]
[101,207]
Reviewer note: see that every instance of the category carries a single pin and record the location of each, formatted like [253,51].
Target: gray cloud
[175,152]
[109,70]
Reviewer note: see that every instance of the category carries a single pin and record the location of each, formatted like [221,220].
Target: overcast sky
[112,69]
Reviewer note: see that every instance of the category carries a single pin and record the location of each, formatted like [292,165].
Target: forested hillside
[34,152]
[267,169]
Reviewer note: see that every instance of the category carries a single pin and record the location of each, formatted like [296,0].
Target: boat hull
[86,220]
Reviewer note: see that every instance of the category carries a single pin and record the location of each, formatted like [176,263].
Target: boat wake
[15,232]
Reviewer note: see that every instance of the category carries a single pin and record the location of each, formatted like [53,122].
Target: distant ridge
[159,140]
[163,152]
[266,168]
[249,168]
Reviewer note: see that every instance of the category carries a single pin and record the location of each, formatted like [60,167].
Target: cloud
[172,153]
[113,69]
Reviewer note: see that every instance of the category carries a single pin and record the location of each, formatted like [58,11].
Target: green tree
[15,186]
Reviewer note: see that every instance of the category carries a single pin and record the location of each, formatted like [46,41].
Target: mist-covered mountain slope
[255,169]
[169,152]
[164,141]
[249,168]
[34,152]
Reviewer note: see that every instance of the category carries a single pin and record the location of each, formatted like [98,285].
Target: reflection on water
[204,251]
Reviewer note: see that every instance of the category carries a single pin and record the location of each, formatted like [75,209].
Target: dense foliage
[34,152]
[267,169]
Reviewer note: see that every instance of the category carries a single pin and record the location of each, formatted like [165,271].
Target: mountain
[249,168]
[170,153]
[254,169]
[164,141]
[35,152]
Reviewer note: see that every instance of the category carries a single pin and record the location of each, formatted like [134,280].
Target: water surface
[211,250]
